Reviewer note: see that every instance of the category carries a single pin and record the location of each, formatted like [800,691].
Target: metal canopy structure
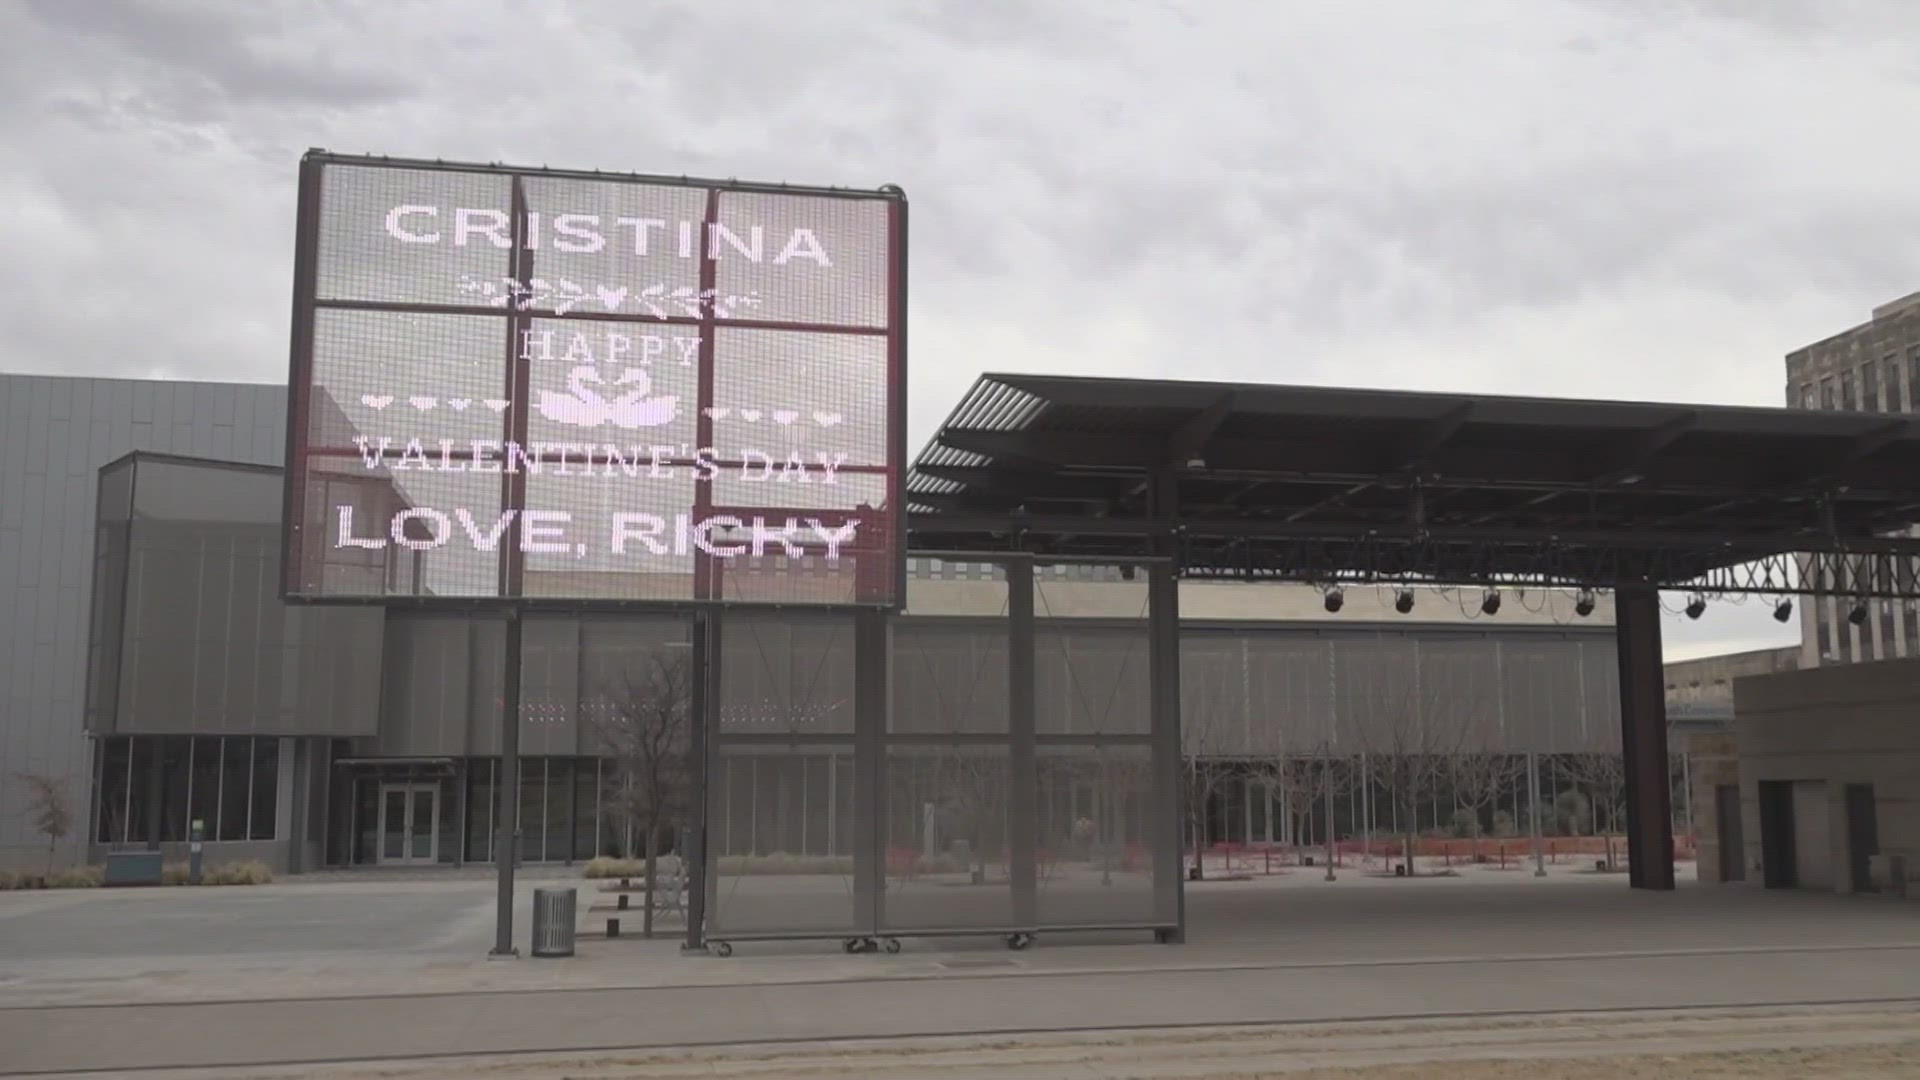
[1326,484]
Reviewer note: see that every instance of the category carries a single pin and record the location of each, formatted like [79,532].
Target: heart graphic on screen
[750,415]
[827,419]
[717,412]
[784,417]
[613,298]
[376,401]
[458,404]
[423,403]
[496,404]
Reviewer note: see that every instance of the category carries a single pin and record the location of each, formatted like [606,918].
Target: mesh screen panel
[948,811]
[594,389]
[1094,835]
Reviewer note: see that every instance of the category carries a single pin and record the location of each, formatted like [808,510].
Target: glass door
[409,823]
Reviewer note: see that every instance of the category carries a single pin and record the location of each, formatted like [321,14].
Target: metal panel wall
[55,434]
[209,648]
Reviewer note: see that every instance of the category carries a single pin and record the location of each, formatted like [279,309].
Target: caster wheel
[870,945]
[722,949]
[1019,942]
[850,946]
[893,945]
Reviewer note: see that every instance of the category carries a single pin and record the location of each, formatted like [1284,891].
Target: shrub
[1503,824]
[76,877]
[1570,810]
[175,873]
[243,872]
[605,867]
[1463,822]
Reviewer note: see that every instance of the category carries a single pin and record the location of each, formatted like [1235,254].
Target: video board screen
[524,384]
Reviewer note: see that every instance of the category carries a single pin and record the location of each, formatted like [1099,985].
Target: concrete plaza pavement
[366,969]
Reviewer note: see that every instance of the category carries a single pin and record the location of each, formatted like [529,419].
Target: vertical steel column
[869,769]
[1643,739]
[506,846]
[1533,809]
[1163,664]
[703,706]
[1022,772]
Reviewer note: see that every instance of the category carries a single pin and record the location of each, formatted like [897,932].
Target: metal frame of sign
[707,569]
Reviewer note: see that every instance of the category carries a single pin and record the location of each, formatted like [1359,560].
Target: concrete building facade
[55,435]
[1874,367]
[153,671]
[1818,785]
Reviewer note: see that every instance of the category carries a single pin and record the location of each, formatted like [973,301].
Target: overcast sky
[1607,198]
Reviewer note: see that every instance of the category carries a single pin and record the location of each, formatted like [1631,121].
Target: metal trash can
[553,922]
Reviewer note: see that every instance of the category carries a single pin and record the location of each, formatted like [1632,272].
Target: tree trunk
[653,862]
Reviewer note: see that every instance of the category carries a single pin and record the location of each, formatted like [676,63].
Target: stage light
[1583,603]
[1783,610]
[1490,603]
[1335,598]
[1858,615]
[1697,606]
[1403,601]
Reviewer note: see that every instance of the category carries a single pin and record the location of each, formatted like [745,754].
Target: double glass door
[409,824]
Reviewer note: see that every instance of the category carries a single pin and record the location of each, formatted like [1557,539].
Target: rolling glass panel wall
[1095,817]
[781,828]
[947,777]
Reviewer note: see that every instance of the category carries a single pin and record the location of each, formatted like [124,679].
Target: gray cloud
[1595,197]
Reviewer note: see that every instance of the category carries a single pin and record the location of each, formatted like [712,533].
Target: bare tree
[1410,744]
[970,794]
[644,725]
[1602,777]
[1206,745]
[1480,777]
[1309,780]
[51,810]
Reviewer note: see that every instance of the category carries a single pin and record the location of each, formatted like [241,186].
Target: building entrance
[409,824]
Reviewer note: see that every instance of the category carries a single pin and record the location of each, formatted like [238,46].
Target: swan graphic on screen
[584,406]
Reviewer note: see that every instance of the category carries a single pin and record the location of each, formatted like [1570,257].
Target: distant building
[1874,367]
[1700,691]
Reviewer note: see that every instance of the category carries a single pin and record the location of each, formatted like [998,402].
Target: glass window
[236,788]
[1850,390]
[480,808]
[533,809]
[1809,396]
[266,786]
[204,799]
[1870,379]
[1829,393]
[175,760]
[116,789]
[1913,378]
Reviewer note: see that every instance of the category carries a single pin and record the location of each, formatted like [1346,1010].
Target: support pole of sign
[703,708]
[513,496]
[506,845]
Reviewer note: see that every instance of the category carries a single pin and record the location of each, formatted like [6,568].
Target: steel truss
[1891,571]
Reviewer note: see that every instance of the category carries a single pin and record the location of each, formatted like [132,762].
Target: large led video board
[514,384]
